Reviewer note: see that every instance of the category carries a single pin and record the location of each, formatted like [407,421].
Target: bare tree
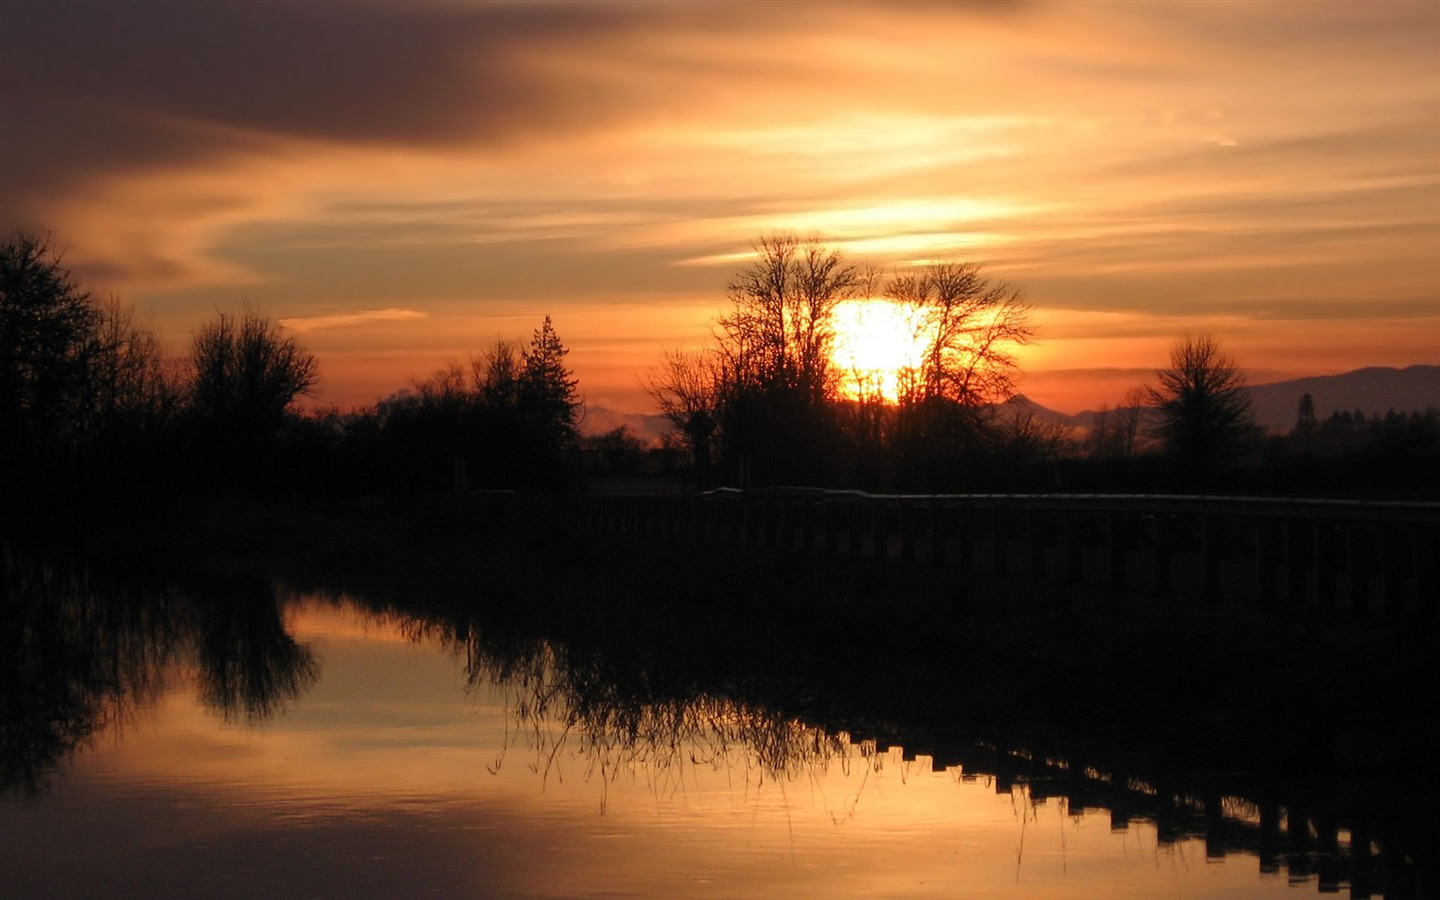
[774,355]
[48,326]
[687,387]
[969,325]
[447,389]
[1204,413]
[1128,416]
[495,375]
[246,373]
[1116,431]
[131,385]
[780,331]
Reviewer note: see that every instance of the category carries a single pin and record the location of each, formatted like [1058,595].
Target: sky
[403,183]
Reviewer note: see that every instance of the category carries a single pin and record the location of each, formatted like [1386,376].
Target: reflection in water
[559,701]
[78,659]
[248,664]
[82,656]
[615,721]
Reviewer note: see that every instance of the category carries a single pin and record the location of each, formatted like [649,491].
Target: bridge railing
[1353,556]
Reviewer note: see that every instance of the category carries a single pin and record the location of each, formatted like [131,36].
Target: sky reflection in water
[395,773]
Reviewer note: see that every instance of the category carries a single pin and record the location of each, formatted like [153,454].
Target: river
[257,739]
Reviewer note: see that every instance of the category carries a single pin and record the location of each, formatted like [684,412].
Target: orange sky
[403,183]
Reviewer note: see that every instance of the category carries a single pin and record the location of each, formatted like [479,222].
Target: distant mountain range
[1374,390]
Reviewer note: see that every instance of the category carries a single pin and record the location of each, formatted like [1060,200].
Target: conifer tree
[549,396]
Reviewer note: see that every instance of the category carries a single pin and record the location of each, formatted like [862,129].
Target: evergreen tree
[1305,422]
[549,399]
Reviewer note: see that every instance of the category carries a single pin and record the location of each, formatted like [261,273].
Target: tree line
[91,410]
[767,402]
[90,407]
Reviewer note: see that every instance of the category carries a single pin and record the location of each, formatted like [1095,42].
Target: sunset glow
[433,176]
[875,340]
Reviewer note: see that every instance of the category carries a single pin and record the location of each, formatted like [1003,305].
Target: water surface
[309,746]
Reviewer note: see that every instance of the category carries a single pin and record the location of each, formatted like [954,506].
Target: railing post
[1427,569]
[905,525]
[1074,548]
[1212,556]
[940,530]
[1327,564]
[1115,534]
[965,539]
[1035,533]
[1299,560]
[999,541]
[1163,541]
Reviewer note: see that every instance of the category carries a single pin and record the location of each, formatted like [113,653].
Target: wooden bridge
[1359,557]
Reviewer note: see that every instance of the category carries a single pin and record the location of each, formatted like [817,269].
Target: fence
[1365,558]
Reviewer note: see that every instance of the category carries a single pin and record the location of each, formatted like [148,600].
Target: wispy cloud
[344,320]
[1166,161]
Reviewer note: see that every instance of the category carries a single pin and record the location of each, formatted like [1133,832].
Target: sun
[875,341]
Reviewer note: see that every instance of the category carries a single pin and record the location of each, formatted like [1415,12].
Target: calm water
[309,746]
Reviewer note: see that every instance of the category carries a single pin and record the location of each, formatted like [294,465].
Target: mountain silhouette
[1374,390]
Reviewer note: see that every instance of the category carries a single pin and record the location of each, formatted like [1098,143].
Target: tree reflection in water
[618,720]
[557,701]
[624,714]
[79,657]
[249,666]
[83,654]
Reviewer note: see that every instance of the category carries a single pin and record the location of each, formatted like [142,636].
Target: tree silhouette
[1305,421]
[1204,413]
[687,387]
[85,397]
[548,392]
[1116,431]
[128,374]
[768,394]
[246,375]
[509,418]
[946,413]
[968,324]
[496,376]
[777,378]
[780,331]
[48,327]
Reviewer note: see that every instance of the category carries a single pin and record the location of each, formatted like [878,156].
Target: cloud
[343,320]
[319,158]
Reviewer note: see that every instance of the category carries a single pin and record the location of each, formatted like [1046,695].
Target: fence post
[1074,548]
